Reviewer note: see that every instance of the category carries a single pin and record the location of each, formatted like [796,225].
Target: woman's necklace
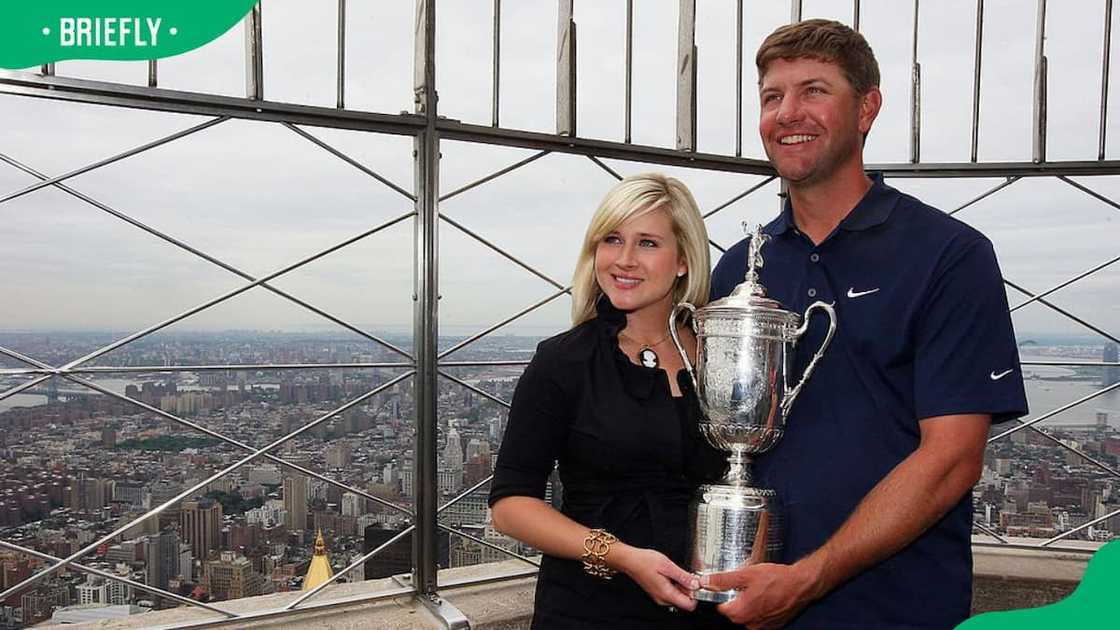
[646,355]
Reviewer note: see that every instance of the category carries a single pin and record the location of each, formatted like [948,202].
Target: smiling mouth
[798,139]
[626,283]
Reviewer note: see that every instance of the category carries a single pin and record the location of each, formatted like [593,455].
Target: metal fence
[426,364]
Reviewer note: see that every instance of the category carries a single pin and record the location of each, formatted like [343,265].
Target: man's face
[812,122]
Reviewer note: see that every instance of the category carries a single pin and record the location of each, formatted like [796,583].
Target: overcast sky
[259,197]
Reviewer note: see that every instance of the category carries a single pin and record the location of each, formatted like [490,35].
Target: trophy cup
[744,354]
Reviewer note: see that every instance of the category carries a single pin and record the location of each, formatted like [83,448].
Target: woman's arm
[537,524]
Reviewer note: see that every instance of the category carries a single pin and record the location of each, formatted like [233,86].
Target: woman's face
[637,264]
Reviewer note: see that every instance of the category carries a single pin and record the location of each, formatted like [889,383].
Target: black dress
[630,457]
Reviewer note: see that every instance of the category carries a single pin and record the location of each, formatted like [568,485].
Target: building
[353,504]
[108,436]
[408,486]
[449,480]
[397,557]
[39,603]
[319,571]
[1111,373]
[93,591]
[466,552]
[470,510]
[295,502]
[184,562]
[231,576]
[125,552]
[161,554]
[476,448]
[120,593]
[338,456]
[200,525]
[453,451]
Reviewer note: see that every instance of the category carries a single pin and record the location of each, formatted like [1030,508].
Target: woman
[609,400]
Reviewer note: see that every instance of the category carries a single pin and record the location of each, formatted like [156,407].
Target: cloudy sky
[258,196]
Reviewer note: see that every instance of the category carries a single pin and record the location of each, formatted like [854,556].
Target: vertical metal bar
[629,68]
[47,69]
[686,76]
[979,47]
[153,74]
[915,96]
[497,65]
[254,56]
[1039,112]
[795,11]
[566,70]
[738,78]
[426,303]
[341,71]
[855,15]
[1106,53]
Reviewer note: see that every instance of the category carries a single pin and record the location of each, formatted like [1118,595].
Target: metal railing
[425,364]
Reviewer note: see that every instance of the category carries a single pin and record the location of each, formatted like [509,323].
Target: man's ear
[869,106]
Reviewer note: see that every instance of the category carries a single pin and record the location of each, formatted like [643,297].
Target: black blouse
[630,457]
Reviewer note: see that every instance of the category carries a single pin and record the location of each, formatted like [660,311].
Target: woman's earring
[680,274]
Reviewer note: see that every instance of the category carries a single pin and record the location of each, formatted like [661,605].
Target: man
[886,440]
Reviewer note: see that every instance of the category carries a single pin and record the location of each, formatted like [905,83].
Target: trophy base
[734,526]
[716,597]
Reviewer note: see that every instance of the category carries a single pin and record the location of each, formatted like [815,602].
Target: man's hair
[825,40]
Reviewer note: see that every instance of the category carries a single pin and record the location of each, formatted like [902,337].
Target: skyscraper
[453,451]
[161,555]
[200,524]
[352,504]
[295,501]
[1111,374]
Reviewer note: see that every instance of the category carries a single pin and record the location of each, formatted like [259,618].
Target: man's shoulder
[933,223]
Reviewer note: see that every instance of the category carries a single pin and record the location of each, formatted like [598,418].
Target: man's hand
[770,595]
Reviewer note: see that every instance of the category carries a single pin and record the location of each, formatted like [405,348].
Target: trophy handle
[791,395]
[677,340]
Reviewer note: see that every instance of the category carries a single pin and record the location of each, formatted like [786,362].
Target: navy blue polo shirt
[923,330]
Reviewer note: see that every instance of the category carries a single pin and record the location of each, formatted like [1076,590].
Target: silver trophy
[744,354]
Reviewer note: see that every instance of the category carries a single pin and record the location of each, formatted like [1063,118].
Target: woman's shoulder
[575,345]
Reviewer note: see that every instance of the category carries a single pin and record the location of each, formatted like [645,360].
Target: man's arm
[919,491]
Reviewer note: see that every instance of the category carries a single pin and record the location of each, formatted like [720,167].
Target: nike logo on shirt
[852,293]
[996,377]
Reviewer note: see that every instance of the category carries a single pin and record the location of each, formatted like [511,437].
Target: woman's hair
[633,197]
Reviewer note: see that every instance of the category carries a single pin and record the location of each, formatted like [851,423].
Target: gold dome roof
[320,569]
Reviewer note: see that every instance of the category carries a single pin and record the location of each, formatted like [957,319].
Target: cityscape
[79,464]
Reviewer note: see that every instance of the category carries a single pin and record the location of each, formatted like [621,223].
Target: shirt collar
[873,209]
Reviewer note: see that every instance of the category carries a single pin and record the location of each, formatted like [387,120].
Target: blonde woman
[610,402]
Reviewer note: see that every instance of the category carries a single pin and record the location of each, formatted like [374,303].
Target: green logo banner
[35,32]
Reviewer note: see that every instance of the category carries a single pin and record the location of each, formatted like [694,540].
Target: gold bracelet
[595,549]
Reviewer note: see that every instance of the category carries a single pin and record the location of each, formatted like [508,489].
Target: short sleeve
[537,429]
[966,359]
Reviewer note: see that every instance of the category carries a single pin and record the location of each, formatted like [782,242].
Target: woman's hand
[665,582]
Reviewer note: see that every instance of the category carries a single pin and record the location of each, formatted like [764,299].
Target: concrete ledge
[504,605]
[1005,578]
